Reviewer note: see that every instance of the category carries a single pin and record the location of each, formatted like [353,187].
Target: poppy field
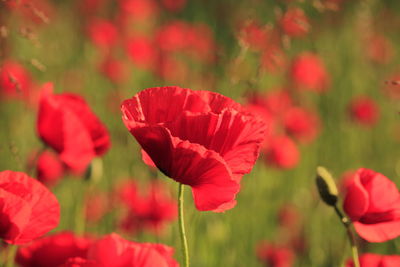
[165,133]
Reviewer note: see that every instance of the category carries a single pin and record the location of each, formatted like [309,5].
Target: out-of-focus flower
[282,152]
[96,206]
[302,124]
[375,260]
[198,138]
[273,60]
[114,251]
[142,52]
[67,124]
[150,209]
[295,23]
[53,250]
[103,33]
[308,73]
[49,168]
[139,10]
[15,81]
[173,36]
[29,209]
[174,5]
[373,204]
[364,110]
[115,70]
[275,256]
[378,49]
[253,35]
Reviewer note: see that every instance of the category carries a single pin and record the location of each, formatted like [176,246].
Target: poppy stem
[12,250]
[185,250]
[347,224]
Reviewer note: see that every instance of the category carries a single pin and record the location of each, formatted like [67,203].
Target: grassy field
[69,60]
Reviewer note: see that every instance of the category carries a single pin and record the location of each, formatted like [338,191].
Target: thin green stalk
[185,250]
[12,250]
[346,222]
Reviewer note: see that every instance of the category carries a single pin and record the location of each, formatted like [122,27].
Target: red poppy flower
[375,260]
[282,152]
[15,81]
[295,23]
[275,256]
[80,262]
[53,250]
[115,70]
[66,123]
[309,73]
[254,35]
[142,52]
[114,251]
[364,110]
[302,124]
[139,10]
[373,204]
[273,60]
[379,49]
[49,168]
[174,5]
[198,138]
[150,210]
[173,36]
[103,33]
[29,209]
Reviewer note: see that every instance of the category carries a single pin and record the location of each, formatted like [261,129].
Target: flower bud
[326,186]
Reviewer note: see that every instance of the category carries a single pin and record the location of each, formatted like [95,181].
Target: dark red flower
[198,138]
[114,251]
[49,168]
[364,110]
[375,260]
[174,5]
[15,81]
[53,250]
[373,204]
[28,208]
[282,152]
[67,124]
[308,72]
[275,256]
[295,23]
[302,124]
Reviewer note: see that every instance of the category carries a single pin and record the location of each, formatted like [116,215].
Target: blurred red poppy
[49,168]
[308,73]
[302,124]
[375,260]
[142,52]
[67,124]
[149,209]
[373,204]
[282,152]
[275,256]
[198,138]
[15,80]
[113,69]
[295,23]
[174,5]
[103,33]
[114,251]
[29,209]
[53,250]
[364,110]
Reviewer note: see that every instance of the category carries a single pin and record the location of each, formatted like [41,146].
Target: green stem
[185,250]
[12,250]
[346,222]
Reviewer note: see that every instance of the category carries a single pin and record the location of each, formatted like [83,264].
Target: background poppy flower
[49,168]
[28,208]
[373,204]
[282,152]
[53,250]
[295,23]
[114,251]
[364,110]
[66,123]
[375,260]
[198,138]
